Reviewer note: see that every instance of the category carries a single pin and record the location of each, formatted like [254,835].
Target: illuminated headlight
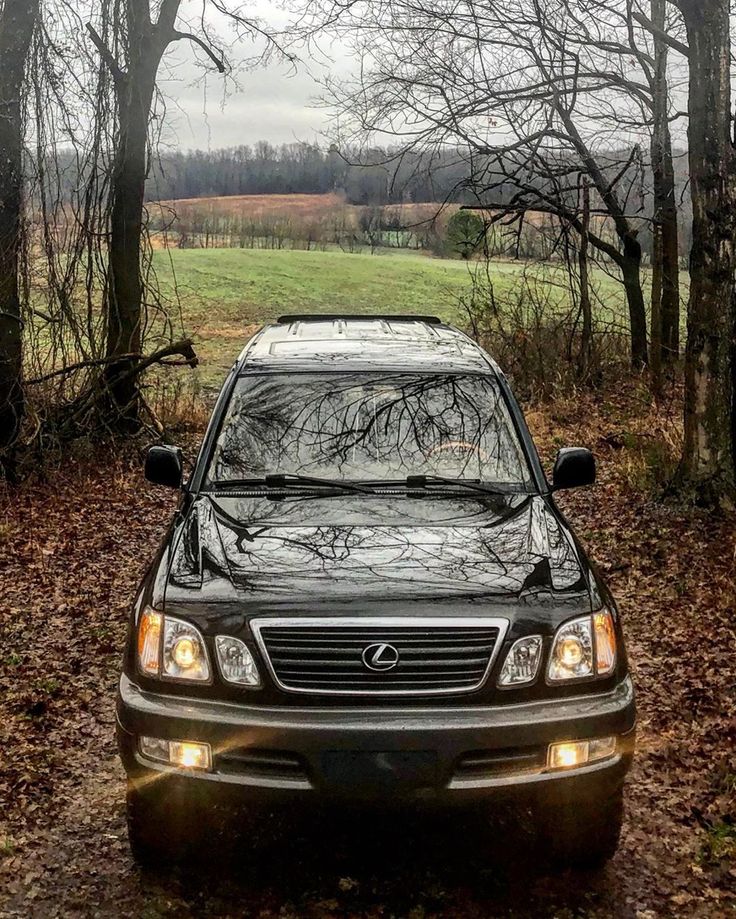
[184,652]
[236,662]
[183,753]
[171,648]
[575,753]
[522,662]
[583,648]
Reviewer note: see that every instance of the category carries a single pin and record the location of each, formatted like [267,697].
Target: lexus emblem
[380,657]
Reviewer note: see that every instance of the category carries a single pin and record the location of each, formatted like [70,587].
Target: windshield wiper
[289,480]
[422,481]
[411,482]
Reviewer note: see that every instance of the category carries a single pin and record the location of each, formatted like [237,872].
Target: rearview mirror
[574,467]
[164,466]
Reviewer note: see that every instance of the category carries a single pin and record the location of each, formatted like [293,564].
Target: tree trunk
[124,302]
[17,22]
[655,319]
[586,340]
[665,313]
[630,264]
[124,307]
[630,257]
[708,456]
[670,257]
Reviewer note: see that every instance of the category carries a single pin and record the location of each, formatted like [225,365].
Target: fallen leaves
[71,551]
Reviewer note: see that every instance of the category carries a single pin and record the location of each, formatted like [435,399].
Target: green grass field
[224,293]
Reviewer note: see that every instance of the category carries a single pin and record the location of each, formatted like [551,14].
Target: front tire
[583,833]
[166,822]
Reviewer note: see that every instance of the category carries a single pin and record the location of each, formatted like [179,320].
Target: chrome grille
[436,656]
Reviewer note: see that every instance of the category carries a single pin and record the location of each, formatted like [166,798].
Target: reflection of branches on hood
[388,554]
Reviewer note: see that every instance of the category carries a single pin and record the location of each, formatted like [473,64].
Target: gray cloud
[271,102]
[264,105]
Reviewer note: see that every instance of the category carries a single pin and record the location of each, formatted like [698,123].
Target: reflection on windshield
[365,426]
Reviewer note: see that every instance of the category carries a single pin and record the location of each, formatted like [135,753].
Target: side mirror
[164,466]
[574,467]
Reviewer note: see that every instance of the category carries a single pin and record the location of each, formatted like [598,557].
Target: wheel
[575,833]
[166,822]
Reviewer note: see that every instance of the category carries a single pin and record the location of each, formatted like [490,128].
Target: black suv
[368,593]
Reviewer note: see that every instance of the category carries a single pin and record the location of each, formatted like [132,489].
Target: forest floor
[72,547]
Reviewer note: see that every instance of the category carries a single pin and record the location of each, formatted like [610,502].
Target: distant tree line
[376,176]
[365,177]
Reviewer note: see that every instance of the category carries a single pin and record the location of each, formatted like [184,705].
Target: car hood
[390,547]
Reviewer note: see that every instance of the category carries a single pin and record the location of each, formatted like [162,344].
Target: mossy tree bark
[708,462]
[17,23]
[665,313]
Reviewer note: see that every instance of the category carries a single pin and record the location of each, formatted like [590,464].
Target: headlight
[172,648]
[236,662]
[583,648]
[184,652]
[522,662]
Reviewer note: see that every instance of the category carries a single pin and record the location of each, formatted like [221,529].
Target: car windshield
[369,427]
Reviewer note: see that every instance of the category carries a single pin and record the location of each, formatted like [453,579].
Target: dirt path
[70,553]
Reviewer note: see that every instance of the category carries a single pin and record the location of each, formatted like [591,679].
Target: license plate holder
[380,770]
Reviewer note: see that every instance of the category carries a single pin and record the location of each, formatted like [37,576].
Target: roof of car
[349,342]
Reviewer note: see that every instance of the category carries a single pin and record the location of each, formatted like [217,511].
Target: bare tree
[709,457]
[17,22]
[665,319]
[644,26]
[519,89]
[132,52]
[144,41]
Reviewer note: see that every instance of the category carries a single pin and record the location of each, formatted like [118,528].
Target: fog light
[190,755]
[574,753]
[154,748]
[567,755]
[186,754]
[601,748]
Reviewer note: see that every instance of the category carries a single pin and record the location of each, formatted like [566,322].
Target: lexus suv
[368,594]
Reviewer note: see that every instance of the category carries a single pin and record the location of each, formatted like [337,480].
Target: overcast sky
[206,110]
[266,105]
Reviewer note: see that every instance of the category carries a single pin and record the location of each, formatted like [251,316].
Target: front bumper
[447,753]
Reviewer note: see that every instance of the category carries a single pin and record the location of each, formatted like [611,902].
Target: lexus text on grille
[368,594]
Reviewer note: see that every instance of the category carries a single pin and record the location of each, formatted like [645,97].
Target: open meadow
[224,294]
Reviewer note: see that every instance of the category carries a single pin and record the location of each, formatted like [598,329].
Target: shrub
[534,333]
[465,233]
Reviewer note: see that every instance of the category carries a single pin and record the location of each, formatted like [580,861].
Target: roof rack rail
[326,317]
